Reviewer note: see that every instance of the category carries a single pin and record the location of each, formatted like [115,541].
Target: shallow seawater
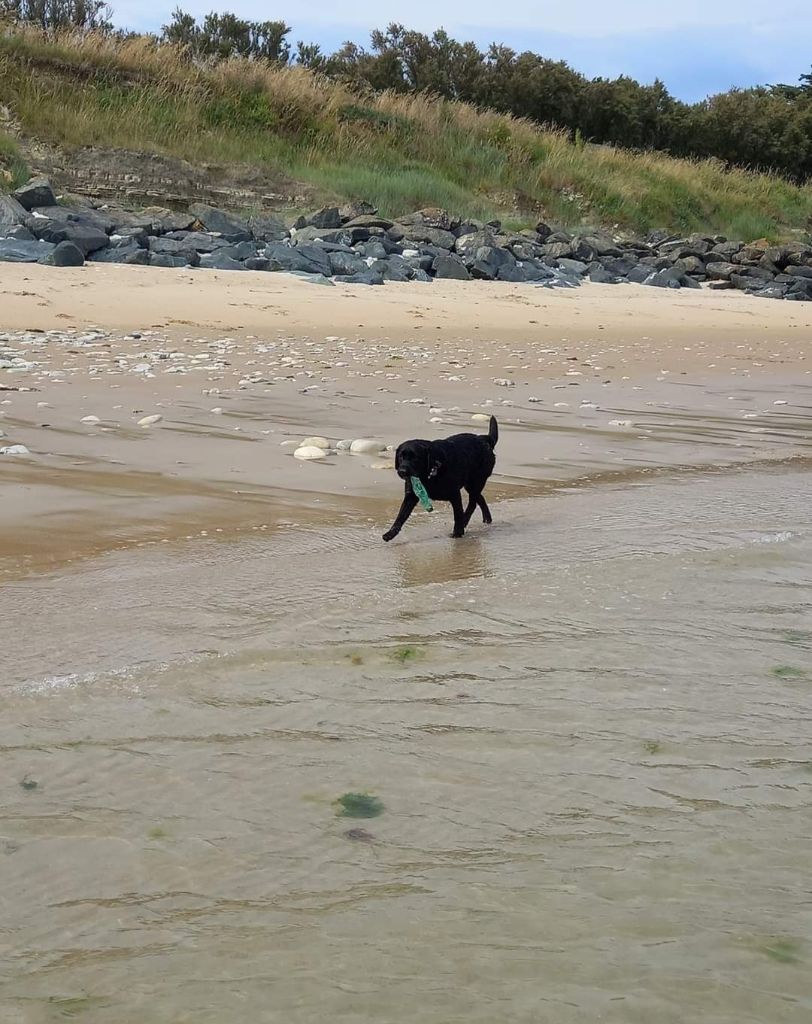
[589,728]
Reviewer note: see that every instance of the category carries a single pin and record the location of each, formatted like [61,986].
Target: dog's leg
[471,507]
[406,509]
[486,512]
[459,515]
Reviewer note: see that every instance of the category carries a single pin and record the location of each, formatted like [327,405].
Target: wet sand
[587,725]
[581,381]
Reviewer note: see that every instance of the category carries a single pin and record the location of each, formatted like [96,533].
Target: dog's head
[417,458]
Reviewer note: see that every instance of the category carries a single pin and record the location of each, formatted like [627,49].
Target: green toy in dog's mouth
[422,494]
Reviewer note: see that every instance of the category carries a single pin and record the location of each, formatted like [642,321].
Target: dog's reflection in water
[419,565]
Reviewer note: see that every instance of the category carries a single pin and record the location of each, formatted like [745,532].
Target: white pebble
[315,442]
[345,445]
[480,417]
[366,446]
[90,419]
[148,421]
[309,452]
[14,449]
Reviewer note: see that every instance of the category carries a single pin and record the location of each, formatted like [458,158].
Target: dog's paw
[458,533]
[389,535]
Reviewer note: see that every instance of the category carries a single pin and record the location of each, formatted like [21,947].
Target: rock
[129,237]
[310,259]
[167,262]
[572,266]
[315,442]
[467,245]
[772,291]
[150,421]
[344,446]
[257,263]
[132,256]
[369,221]
[14,251]
[14,449]
[220,221]
[599,275]
[800,272]
[393,269]
[488,260]
[557,250]
[430,235]
[12,214]
[327,217]
[265,227]
[450,268]
[36,192]
[481,417]
[90,420]
[83,234]
[309,452]
[366,446]
[367,276]
[346,263]
[167,246]
[66,254]
[239,251]
[543,231]
[357,209]
[664,279]
[159,221]
[20,232]
[219,261]
[720,271]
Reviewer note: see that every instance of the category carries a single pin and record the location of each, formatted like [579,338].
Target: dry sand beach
[588,724]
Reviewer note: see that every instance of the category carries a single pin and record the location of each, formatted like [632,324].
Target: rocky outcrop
[354,245]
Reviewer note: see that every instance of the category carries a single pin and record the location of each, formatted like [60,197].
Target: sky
[697,47]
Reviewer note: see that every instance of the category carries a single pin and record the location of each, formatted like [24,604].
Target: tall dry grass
[398,151]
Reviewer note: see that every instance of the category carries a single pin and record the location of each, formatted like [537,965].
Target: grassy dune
[400,152]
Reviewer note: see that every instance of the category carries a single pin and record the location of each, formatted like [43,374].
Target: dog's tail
[493,432]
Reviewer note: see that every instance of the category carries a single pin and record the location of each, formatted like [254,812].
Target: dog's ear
[435,465]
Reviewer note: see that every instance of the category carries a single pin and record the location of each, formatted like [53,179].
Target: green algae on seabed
[29,784]
[652,746]
[789,672]
[157,833]
[422,494]
[404,654]
[785,951]
[359,805]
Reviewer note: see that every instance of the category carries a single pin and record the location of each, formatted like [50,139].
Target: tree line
[766,127]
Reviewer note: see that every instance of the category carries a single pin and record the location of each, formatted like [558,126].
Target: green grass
[400,152]
[13,170]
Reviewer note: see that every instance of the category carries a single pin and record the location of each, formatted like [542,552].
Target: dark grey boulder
[12,214]
[573,266]
[345,263]
[370,221]
[159,221]
[66,254]
[13,250]
[772,291]
[307,259]
[257,263]
[800,271]
[20,232]
[220,221]
[36,192]
[303,235]
[467,245]
[720,271]
[543,231]
[200,241]
[86,236]
[423,277]
[240,251]
[132,255]
[219,261]
[160,259]
[432,236]
[168,246]
[327,217]
[664,279]
[393,269]
[129,236]
[367,276]
[489,261]
[65,214]
[450,268]
[599,275]
[374,249]
[266,227]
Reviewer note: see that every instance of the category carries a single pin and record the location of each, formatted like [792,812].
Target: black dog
[445,468]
